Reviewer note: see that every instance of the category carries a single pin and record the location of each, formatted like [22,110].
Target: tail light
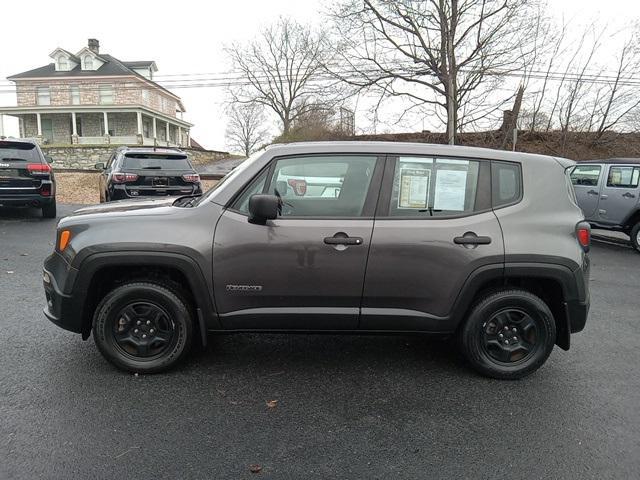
[583,234]
[123,177]
[299,186]
[191,177]
[39,168]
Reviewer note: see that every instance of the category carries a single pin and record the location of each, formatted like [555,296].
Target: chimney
[94,45]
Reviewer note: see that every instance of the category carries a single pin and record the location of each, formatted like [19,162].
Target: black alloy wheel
[143,330]
[508,334]
[511,336]
[143,327]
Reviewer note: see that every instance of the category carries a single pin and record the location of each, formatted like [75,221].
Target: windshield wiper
[151,168]
[12,159]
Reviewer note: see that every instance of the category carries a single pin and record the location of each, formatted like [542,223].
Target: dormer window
[87,63]
[63,63]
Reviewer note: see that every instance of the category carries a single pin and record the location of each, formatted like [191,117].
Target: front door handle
[592,192]
[342,238]
[471,239]
[628,195]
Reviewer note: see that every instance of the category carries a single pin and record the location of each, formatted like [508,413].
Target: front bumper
[62,308]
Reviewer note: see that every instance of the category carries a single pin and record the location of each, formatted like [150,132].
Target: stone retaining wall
[86,156]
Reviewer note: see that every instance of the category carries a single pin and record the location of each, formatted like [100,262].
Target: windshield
[140,161]
[18,151]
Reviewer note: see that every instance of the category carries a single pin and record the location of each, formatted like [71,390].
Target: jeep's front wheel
[635,237]
[509,334]
[143,327]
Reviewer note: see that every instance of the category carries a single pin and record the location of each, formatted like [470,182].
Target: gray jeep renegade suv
[346,237]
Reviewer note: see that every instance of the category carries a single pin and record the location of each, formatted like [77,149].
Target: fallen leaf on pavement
[272,403]
[255,468]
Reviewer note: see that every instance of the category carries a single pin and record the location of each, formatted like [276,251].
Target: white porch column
[166,137]
[74,127]
[179,139]
[39,122]
[1,125]
[106,123]
[139,118]
[155,130]
[188,138]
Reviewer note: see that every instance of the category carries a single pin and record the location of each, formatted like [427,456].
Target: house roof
[112,67]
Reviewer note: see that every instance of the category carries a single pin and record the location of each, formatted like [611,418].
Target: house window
[63,64]
[88,62]
[75,94]
[106,94]
[44,96]
[145,95]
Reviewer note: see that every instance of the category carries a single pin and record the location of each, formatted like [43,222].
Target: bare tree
[282,68]
[246,130]
[445,55]
[619,95]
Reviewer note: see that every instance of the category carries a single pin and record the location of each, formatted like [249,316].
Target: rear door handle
[342,239]
[472,240]
[592,192]
[628,195]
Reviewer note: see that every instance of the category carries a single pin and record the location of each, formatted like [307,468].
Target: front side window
[322,186]
[106,94]
[586,175]
[428,187]
[44,96]
[75,94]
[623,177]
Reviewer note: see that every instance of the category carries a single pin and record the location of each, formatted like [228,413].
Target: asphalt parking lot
[346,407]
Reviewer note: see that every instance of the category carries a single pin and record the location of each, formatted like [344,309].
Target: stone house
[92,98]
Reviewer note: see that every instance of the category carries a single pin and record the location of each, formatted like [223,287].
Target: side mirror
[263,208]
[99,166]
[48,159]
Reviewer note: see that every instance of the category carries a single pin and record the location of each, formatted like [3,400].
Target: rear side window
[586,175]
[18,151]
[623,177]
[157,162]
[506,183]
[431,187]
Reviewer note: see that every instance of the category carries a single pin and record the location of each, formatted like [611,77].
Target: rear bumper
[124,192]
[33,199]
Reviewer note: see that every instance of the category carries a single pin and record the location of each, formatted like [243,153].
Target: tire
[484,339]
[49,210]
[635,237]
[124,322]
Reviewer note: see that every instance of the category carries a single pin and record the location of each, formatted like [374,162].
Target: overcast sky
[184,37]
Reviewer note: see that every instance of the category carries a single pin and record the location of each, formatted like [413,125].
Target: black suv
[349,237]
[134,172]
[26,178]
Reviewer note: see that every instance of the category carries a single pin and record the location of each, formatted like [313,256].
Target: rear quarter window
[506,183]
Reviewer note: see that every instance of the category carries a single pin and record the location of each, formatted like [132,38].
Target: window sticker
[450,190]
[414,187]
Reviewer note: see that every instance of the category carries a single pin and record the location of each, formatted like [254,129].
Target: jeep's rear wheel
[635,236]
[143,327]
[509,334]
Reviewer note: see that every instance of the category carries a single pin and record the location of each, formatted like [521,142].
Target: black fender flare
[94,262]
